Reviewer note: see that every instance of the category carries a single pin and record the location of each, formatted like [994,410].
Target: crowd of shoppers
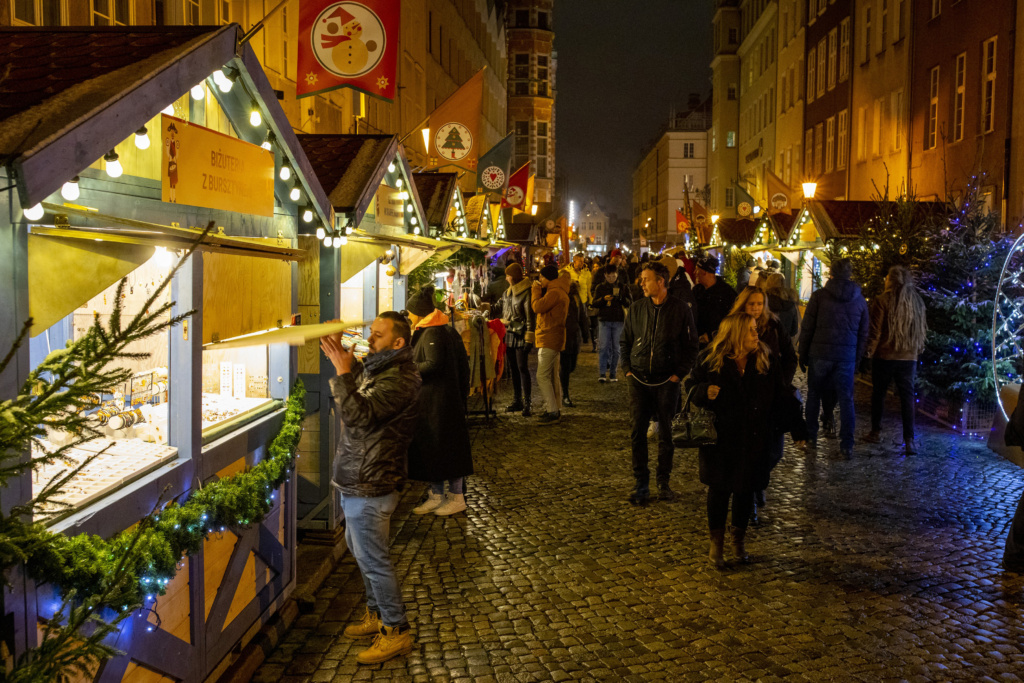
[679,334]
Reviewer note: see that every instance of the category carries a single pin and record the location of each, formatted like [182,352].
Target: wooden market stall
[117,152]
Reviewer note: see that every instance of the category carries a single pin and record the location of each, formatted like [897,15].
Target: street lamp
[714,218]
[809,189]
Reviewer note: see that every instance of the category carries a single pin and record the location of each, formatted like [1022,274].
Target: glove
[530,337]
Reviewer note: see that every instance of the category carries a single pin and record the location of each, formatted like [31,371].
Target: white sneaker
[455,502]
[433,501]
[652,430]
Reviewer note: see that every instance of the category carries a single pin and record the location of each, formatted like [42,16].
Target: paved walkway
[879,568]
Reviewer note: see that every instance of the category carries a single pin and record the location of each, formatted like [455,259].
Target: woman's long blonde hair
[776,284]
[740,305]
[908,323]
[729,340]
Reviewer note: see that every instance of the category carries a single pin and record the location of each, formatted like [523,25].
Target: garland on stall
[81,563]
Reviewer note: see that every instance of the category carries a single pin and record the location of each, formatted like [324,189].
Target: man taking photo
[659,348]
[377,401]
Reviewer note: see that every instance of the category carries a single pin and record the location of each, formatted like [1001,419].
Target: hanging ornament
[903,249]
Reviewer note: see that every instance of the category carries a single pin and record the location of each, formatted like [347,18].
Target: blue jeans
[367,532]
[610,332]
[823,375]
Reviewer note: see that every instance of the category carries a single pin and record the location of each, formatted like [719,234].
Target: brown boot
[716,555]
[367,628]
[739,551]
[389,643]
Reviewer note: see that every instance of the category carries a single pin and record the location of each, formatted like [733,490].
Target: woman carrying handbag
[739,381]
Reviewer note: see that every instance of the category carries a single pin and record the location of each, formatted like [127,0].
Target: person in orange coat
[550,301]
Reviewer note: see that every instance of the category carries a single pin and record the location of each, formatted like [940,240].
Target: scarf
[376,362]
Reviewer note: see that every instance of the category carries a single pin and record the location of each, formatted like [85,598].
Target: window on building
[842,138]
[830,144]
[521,66]
[900,19]
[862,134]
[844,49]
[794,89]
[833,48]
[876,127]
[688,150]
[733,36]
[285,39]
[730,138]
[192,15]
[958,97]
[118,12]
[822,65]
[897,120]
[936,8]
[522,18]
[38,12]
[933,110]
[543,21]
[730,92]
[988,85]
[819,148]
[785,92]
[883,26]
[808,151]
[822,6]
[522,88]
[522,129]
[730,197]
[867,34]
[787,166]
[812,62]
[771,105]
[430,33]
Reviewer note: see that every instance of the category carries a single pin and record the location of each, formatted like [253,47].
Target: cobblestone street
[878,568]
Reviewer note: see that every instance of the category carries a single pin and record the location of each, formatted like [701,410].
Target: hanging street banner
[682,223]
[455,127]
[348,45]
[781,199]
[202,167]
[494,166]
[515,193]
[702,221]
[744,202]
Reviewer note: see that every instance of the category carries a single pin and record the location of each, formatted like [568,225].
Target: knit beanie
[516,271]
[422,302]
[549,272]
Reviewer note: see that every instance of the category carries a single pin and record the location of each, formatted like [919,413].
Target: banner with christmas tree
[348,45]
[494,166]
[455,127]
[515,193]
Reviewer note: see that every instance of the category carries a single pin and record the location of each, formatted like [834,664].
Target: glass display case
[235,389]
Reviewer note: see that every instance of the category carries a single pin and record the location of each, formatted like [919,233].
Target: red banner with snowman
[348,45]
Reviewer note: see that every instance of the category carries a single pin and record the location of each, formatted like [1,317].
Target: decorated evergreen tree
[454,140]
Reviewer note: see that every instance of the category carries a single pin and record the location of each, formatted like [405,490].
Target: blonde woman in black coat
[742,384]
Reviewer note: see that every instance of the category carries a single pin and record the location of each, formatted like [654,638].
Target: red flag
[703,222]
[682,223]
[515,193]
[348,45]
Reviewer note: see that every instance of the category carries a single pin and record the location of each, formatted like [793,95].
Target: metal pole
[258,26]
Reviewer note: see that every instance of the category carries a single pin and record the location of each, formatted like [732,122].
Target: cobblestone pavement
[878,568]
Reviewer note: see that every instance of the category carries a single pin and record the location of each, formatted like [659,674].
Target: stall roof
[782,224]
[837,219]
[74,93]
[737,230]
[436,191]
[352,167]
[478,215]
[521,232]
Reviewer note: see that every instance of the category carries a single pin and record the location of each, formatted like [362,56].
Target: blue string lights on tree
[1008,323]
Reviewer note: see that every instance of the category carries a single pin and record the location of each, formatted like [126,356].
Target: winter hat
[516,271]
[671,264]
[422,302]
[751,263]
[549,272]
[611,270]
[708,263]
[615,252]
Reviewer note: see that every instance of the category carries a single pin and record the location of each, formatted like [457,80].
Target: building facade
[881,86]
[531,92]
[758,55]
[789,125]
[960,103]
[725,110]
[593,227]
[672,170]
[443,44]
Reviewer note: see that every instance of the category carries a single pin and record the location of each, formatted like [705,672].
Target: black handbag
[694,427]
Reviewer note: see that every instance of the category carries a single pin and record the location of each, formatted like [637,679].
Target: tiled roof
[436,190]
[737,230]
[476,212]
[782,224]
[58,75]
[347,164]
[847,217]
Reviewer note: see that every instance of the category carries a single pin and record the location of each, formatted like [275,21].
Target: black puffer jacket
[658,341]
[713,304]
[378,409]
[517,315]
[836,323]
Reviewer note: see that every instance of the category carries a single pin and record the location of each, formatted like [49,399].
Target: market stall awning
[468,242]
[437,192]
[358,253]
[293,335]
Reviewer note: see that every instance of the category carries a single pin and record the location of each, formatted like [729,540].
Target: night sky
[621,66]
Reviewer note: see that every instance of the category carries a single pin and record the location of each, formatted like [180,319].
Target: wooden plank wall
[243,294]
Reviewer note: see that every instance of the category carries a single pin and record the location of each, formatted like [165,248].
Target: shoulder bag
[695,426]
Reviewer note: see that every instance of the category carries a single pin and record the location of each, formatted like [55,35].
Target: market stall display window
[235,389]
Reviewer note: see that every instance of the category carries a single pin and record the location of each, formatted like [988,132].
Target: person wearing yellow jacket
[550,301]
[580,274]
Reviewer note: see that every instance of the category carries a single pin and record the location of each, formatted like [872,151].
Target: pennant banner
[455,125]
[702,220]
[515,193]
[348,45]
[682,223]
[744,202]
[494,166]
[781,198]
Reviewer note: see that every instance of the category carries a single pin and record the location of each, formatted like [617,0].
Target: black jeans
[593,331]
[519,367]
[883,372]
[567,363]
[645,403]
[718,508]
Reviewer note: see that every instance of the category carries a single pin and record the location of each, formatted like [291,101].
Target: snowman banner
[515,193]
[348,45]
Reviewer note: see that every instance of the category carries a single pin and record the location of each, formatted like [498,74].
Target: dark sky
[621,66]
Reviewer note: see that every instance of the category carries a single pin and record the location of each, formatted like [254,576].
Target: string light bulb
[391,167]
[295,194]
[398,183]
[321,233]
[70,190]
[33,213]
[307,214]
[198,92]
[268,142]
[336,241]
[142,138]
[113,165]
[286,171]
[328,240]
[255,118]
[169,109]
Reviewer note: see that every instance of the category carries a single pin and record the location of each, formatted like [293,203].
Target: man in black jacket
[659,348]
[377,403]
[714,298]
